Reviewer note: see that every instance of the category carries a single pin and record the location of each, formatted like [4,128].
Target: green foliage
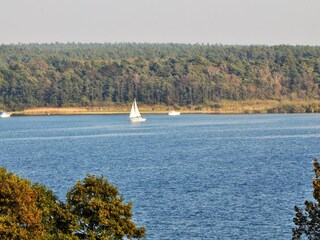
[20,218]
[307,220]
[40,75]
[58,222]
[93,210]
[101,212]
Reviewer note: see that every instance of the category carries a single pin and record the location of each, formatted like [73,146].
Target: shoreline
[66,112]
[223,107]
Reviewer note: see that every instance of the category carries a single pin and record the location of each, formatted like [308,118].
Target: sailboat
[135,115]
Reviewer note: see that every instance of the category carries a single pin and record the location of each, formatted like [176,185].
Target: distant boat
[135,115]
[173,113]
[4,115]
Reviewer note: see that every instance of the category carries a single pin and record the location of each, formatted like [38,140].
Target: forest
[112,74]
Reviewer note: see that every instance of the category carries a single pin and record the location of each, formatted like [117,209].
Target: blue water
[188,177]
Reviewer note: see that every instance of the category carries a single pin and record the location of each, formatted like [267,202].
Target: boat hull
[174,113]
[5,115]
[138,119]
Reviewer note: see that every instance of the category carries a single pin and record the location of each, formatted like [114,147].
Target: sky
[243,22]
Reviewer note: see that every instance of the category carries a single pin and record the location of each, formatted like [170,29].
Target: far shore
[223,107]
[103,111]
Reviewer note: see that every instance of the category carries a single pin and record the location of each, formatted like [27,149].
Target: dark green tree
[101,212]
[307,220]
[58,222]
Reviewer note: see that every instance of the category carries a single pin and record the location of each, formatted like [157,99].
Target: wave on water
[76,137]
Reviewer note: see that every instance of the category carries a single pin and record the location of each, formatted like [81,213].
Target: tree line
[75,74]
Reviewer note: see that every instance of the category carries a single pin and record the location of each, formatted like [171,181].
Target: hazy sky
[161,21]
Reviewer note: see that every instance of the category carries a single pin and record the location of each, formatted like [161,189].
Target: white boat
[135,115]
[173,113]
[4,115]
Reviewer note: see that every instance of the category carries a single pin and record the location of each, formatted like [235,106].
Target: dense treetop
[37,75]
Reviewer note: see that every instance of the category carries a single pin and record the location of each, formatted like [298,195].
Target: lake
[188,177]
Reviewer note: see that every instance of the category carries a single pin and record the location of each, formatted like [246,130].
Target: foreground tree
[93,210]
[20,218]
[58,222]
[101,212]
[307,221]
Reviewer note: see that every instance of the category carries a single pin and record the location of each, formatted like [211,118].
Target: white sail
[133,112]
[136,109]
[135,115]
